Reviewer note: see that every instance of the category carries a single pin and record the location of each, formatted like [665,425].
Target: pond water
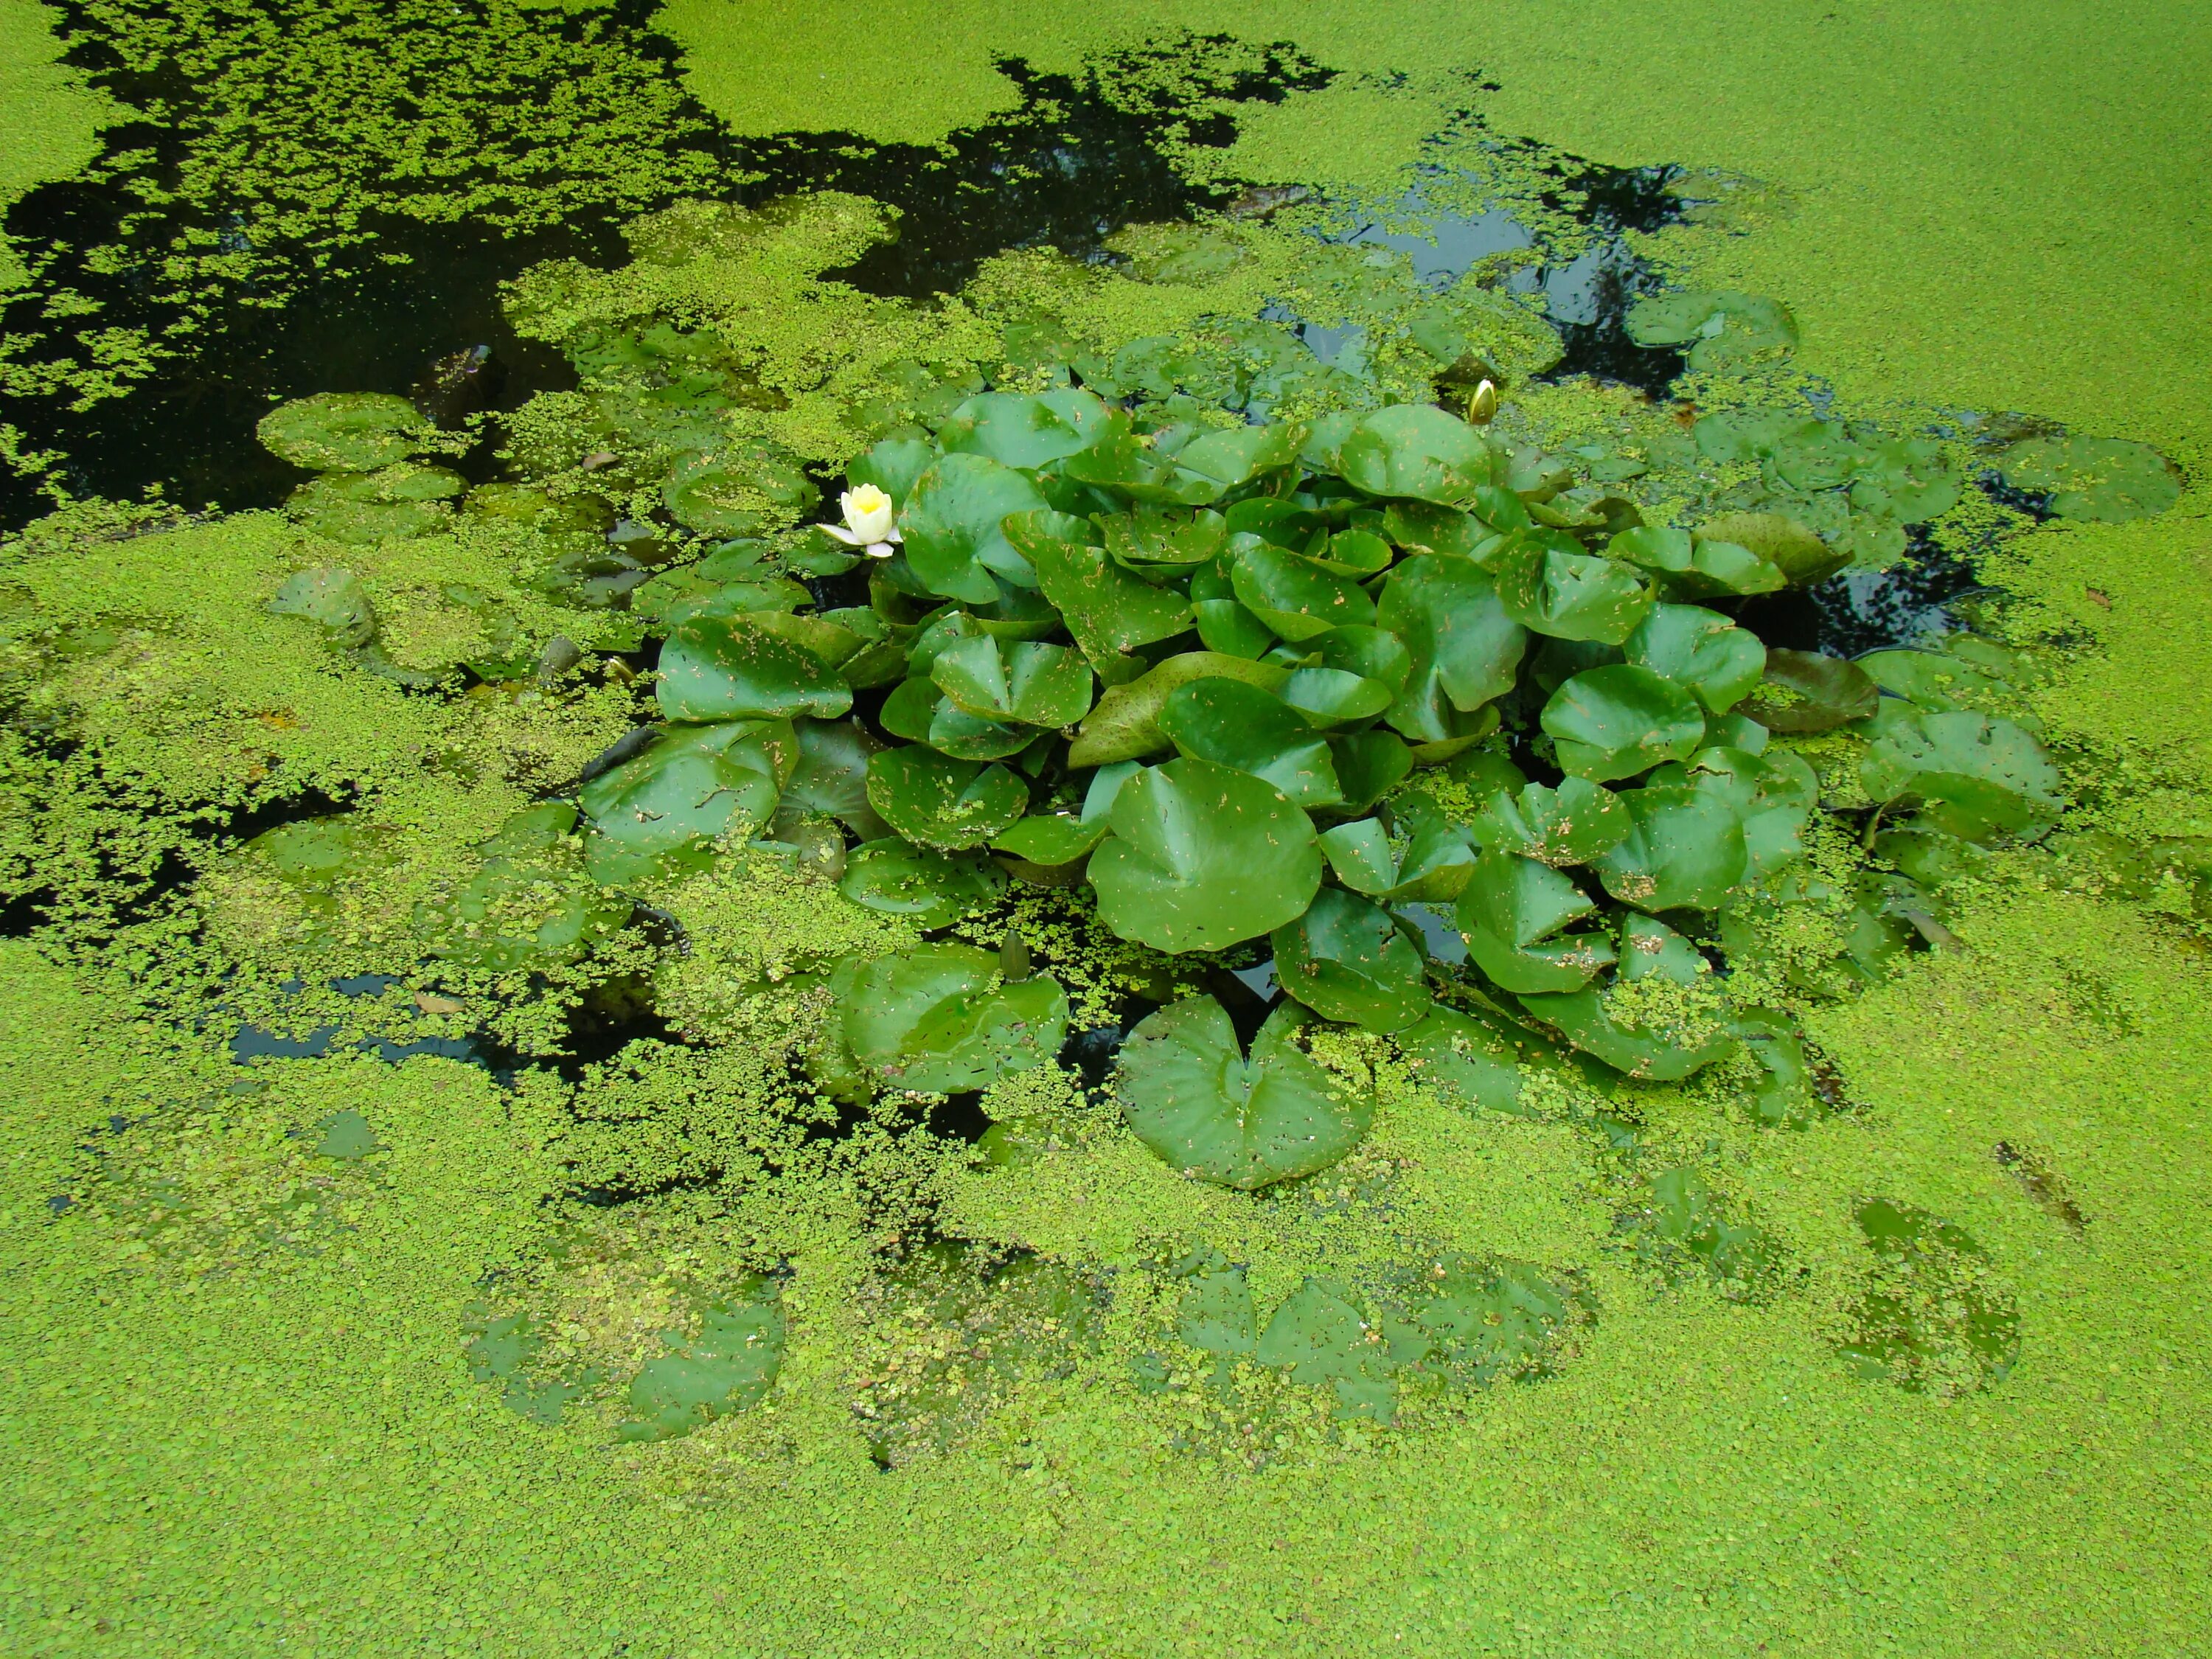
[1232,862]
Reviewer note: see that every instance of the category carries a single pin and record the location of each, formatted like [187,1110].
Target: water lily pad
[1616,721]
[2106,480]
[1110,610]
[1293,595]
[1158,544]
[1430,864]
[1233,724]
[1685,851]
[832,775]
[345,431]
[1235,456]
[729,1365]
[667,808]
[1701,649]
[1417,450]
[739,492]
[1202,856]
[894,466]
[1723,330]
[1468,1057]
[1464,647]
[393,503]
[1236,1120]
[1125,725]
[1933,1319]
[1697,565]
[1225,626]
[333,599]
[937,1017]
[1813,693]
[1025,432]
[928,887]
[1511,913]
[1369,766]
[1051,839]
[1489,1322]
[1320,1337]
[1774,539]
[718,667]
[529,902]
[1574,824]
[953,523]
[938,801]
[1771,795]
[1021,683]
[1346,959]
[1976,776]
[1569,595]
[1649,1052]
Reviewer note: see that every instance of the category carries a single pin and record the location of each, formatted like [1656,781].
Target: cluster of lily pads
[1205,675]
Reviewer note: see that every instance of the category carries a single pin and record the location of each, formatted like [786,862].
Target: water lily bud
[867,513]
[1484,404]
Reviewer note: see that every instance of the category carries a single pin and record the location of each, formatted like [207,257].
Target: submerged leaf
[936,1017]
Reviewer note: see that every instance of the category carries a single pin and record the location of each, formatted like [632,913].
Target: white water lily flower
[868,522]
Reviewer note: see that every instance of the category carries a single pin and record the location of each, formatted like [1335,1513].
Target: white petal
[840,533]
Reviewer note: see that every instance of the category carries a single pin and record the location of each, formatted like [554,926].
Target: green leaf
[1119,459]
[1201,856]
[1331,696]
[1239,1121]
[1346,960]
[1771,538]
[666,808]
[1569,595]
[1319,1336]
[1975,777]
[1510,911]
[1216,1315]
[1051,839]
[1616,721]
[936,1018]
[1109,610]
[953,731]
[1233,724]
[1424,527]
[745,492]
[1025,432]
[1125,725]
[1576,823]
[1771,795]
[1685,852]
[1417,450]
[1654,1053]
[1701,649]
[333,599]
[1429,863]
[929,888]
[941,802]
[1723,330]
[728,1366]
[1151,541]
[1293,595]
[1237,455]
[2105,480]
[952,524]
[1024,684]
[345,431]
[1813,693]
[894,466]
[1490,1321]
[1464,649]
[1468,1057]
[1369,653]
[403,500]
[1225,626]
[716,668]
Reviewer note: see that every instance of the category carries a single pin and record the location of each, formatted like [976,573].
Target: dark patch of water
[1863,610]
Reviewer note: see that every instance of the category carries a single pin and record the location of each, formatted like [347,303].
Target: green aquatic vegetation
[2106,480]
[1933,1319]
[944,1019]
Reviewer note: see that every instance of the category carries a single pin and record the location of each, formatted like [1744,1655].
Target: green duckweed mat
[326,1354]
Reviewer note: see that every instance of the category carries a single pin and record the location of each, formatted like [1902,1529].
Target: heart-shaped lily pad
[1775,539]
[928,887]
[1428,864]
[1572,824]
[1202,856]
[2108,480]
[667,808]
[1051,839]
[1024,683]
[937,1019]
[1234,1120]
[1233,724]
[717,668]
[1125,724]
[1511,913]
[953,523]
[1110,610]
[1771,795]
[1697,565]
[1701,649]
[727,1367]
[1417,450]
[1468,1057]
[1568,594]
[1646,1045]
[1464,647]
[1346,959]
[1685,851]
[1025,432]
[1616,721]
[1292,594]
[1976,776]
[344,431]
[941,802]
[1810,692]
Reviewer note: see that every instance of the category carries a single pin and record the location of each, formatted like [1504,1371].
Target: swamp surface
[1169,827]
